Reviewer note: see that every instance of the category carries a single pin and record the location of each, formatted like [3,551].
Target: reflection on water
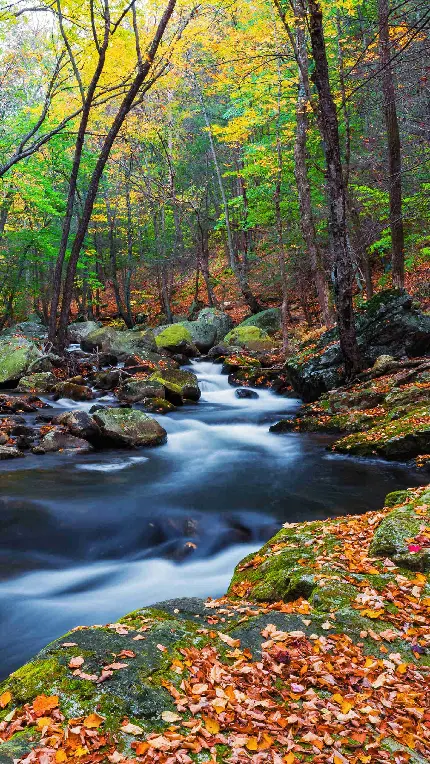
[88,537]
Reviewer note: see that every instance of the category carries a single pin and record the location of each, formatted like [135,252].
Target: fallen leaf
[131,729]
[5,698]
[93,721]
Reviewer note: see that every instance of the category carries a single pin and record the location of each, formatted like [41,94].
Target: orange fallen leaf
[93,721]
[43,703]
[5,698]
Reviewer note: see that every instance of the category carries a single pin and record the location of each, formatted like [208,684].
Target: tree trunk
[124,108]
[307,223]
[343,270]
[394,149]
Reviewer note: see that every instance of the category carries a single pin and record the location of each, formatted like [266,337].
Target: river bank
[320,649]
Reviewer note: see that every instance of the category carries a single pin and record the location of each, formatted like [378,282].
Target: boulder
[57,440]
[245,392]
[80,424]
[135,389]
[120,344]
[42,382]
[268,320]
[16,355]
[129,427]
[249,337]
[32,329]
[203,334]
[80,330]
[173,337]
[73,391]
[157,405]
[107,380]
[221,321]
[9,452]
[389,326]
[395,536]
[179,385]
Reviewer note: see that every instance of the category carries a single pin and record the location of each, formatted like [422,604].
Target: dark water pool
[86,539]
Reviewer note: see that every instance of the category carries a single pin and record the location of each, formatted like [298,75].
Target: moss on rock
[172,336]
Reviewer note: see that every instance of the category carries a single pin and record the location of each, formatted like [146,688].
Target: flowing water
[84,539]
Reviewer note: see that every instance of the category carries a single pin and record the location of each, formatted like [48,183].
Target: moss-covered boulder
[249,337]
[173,337]
[129,427]
[119,343]
[135,389]
[16,355]
[179,385]
[42,382]
[268,320]
[398,537]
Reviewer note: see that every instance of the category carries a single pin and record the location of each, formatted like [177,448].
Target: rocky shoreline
[320,651]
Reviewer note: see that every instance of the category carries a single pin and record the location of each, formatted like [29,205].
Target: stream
[85,539]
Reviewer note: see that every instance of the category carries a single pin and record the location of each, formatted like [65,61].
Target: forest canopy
[155,156]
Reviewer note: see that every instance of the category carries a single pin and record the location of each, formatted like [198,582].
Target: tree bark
[307,223]
[394,150]
[343,269]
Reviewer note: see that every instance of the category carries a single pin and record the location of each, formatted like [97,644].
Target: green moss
[248,336]
[172,336]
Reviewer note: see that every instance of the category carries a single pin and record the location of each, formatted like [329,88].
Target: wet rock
[75,392]
[219,351]
[107,359]
[78,331]
[10,452]
[107,380]
[135,389]
[244,392]
[58,440]
[249,337]
[41,382]
[11,403]
[268,320]
[284,425]
[80,424]
[16,355]
[179,385]
[157,405]
[129,427]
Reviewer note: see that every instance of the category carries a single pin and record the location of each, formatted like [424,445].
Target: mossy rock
[134,390]
[43,382]
[172,336]
[394,535]
[179,385]
[129,427]
[16,355]
[249,337]
[268,320]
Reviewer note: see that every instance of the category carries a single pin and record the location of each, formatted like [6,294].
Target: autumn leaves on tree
[185,151]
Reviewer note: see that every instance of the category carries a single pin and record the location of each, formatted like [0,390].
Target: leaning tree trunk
[394,150]
[343,267]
